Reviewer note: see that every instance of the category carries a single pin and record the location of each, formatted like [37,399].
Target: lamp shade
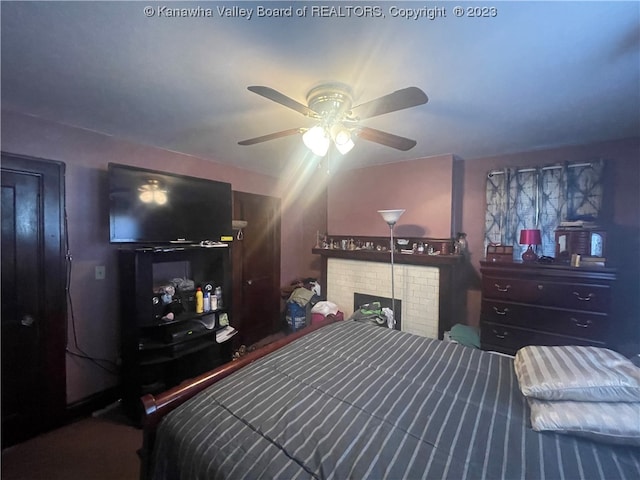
[391,216]
[530,237]
[342,139]
[317,140]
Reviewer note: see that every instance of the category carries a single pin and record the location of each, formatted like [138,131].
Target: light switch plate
[100,272]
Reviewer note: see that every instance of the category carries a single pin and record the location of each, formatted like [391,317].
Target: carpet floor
[102,447]
[89,449]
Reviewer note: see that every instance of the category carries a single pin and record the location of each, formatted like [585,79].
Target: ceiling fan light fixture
[345,147]
[337,121]
[317,140]
[340,134]
[342,138]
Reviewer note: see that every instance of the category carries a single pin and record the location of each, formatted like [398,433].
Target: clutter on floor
[299,306]
[323,309]
[464,335]
[374,313]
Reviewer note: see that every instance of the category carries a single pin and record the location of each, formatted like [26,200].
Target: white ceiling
[536,75]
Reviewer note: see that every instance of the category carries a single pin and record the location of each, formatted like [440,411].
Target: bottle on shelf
[214,302]
[207,301]
[199,301]
[218,294]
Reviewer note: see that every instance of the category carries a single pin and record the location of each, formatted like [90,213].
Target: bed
[349,400]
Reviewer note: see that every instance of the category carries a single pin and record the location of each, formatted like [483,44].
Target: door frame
[51,406]
[255,238]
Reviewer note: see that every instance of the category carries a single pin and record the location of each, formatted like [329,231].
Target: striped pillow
[617,423]
[577,373]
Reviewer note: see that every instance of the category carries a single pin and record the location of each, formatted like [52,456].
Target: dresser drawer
[581,324]
[590,297]
[508,339]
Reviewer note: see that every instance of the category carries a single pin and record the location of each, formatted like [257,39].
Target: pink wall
[304,209]
[423,187]
[86,154]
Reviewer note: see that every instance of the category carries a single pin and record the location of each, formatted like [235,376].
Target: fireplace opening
[360,299]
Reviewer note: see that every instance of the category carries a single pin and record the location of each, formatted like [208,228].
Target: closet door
[256,267]
[33,297]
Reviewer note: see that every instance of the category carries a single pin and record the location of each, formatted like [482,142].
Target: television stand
[160,351]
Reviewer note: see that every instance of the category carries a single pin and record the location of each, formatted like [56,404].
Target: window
[541,198]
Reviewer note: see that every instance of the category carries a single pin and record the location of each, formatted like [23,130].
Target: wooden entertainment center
[159,352]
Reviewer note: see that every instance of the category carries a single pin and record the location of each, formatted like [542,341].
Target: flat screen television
[152,207]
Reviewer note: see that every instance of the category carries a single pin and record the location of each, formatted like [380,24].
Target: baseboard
[86,406]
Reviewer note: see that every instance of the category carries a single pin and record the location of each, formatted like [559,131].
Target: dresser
[540,304]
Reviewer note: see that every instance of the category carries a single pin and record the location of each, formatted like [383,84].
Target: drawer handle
[502,289]
[500,311]
[580,324]
[500,335]
[584,299]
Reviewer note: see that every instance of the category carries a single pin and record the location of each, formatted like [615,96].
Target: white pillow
[609,422]
[577,373]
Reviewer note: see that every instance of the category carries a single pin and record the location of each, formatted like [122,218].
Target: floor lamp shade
[391,216]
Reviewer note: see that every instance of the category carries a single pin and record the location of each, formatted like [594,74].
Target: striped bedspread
[355,401]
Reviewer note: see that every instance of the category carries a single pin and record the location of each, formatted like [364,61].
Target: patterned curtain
[540,197]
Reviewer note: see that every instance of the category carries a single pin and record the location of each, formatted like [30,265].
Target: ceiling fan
[331,106]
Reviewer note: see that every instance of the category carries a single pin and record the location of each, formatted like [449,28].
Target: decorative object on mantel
[374,244]
[530,237]
[391,217]
[460,246]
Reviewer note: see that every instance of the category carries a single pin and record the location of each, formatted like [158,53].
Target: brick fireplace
[416,286]
[428,286]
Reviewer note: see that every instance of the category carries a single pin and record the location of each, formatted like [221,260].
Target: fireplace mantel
[385,256]
[451,298]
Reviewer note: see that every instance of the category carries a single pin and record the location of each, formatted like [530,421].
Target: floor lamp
[391,217]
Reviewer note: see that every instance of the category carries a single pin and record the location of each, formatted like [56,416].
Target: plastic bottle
[207,301]
[218,294]
[199,301]
[214,302]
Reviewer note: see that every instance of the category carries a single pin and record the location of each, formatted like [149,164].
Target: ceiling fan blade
[398,100]
[278,97]
[272,136]
[384,138]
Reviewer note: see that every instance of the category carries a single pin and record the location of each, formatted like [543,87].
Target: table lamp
[530,237]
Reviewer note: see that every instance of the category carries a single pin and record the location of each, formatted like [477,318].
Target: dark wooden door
[256,267]
[33,297]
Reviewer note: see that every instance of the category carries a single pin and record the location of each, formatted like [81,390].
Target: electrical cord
[111,366]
